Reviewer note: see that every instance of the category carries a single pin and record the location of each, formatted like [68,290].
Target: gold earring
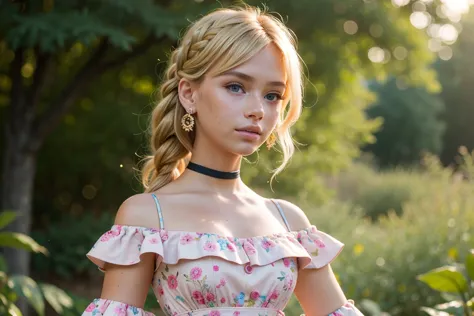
[187,122]
[271,140]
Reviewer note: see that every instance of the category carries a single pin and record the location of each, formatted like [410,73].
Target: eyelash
[277,95]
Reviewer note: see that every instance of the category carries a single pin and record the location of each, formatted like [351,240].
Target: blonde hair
[223,39]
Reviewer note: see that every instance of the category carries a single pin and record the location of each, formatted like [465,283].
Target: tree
[457,78]
[412,124]
[41,41]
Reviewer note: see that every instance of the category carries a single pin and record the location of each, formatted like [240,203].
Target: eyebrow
[246,77]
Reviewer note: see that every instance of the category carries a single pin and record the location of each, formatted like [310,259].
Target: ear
[187,93]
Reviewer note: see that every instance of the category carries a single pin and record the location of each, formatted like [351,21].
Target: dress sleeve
[124,245]
[104,307]
[321,248]
[347,309]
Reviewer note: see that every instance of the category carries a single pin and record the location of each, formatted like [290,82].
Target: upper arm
[130,283]
[317,290]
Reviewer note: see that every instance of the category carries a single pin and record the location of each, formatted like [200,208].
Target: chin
[245,150]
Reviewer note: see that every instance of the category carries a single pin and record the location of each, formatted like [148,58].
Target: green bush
[68,241]
[12,287]
[376,193]
[381,260]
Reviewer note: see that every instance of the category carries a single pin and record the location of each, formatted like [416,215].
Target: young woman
[205,242]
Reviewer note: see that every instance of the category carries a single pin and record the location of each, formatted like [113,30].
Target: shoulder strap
[158,208]
[281,213]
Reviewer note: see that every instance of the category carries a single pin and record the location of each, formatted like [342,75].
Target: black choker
[212,172]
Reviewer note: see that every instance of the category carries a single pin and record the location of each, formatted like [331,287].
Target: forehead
[267,65]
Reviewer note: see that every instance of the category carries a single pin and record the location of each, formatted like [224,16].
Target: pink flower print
[160,290]
[222,282]
[231,247]
[265,304]
[336,314]
[254,295]
[186,239]
[107,236]
[196,273]
[215,268]
[214,313]
[267,244]
[154,240]
[164,235]
[249,249]
[236,313]
[223,300]
[320,243]
[274,295]
[90,308]
[210,297]
[197,295]
[104,307]
[286,262]
[209,246]
[172,282]
[290,283]
[120,310]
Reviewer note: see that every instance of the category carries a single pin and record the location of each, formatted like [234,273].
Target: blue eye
[236,88]
[273,97]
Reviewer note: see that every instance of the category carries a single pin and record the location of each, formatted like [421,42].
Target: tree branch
[43,62]
[92,69]
[45,123]
[16,92]
[137,50]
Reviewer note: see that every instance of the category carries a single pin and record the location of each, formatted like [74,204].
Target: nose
[254,109]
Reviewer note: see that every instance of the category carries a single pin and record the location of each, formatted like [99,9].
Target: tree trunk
[19,166]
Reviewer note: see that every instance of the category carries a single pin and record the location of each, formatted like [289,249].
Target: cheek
[221,106]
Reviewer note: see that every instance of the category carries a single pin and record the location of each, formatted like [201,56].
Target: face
[237,110]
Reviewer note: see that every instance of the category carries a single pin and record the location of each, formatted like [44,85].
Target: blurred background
[385,161]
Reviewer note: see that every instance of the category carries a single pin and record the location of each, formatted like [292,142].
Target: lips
[251,129]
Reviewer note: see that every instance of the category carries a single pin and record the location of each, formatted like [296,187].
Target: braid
[167,160]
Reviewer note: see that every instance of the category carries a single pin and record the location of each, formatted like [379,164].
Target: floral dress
[204,274]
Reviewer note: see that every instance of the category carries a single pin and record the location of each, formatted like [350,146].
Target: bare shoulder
[294,214]
[138,210]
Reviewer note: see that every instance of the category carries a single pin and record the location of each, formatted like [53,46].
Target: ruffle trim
[123,245]
[104,307]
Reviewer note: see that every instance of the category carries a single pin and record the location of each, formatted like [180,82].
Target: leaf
[470,264]
[21,241]
[370,306]
[454,307]
[445,279]
[27,287]
[57,298]
[13,310]
[6,217]
[3,264]
[433,312]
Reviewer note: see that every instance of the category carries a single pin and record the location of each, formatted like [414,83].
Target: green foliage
[457,79]
[377,194]
[457,279]
[80,233]
[411,123]
[68,22]
[381,260]
[13,286]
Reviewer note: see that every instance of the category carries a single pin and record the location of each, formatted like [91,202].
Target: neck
[215,184]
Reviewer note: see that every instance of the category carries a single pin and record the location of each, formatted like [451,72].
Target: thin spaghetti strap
[158,208]
[281,213]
